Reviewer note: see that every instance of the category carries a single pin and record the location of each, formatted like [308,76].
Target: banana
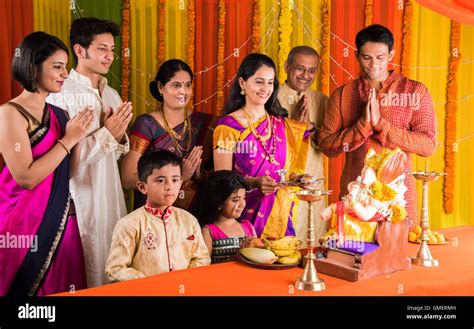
[286,242]
[259,255]
[294,258]
[284,252]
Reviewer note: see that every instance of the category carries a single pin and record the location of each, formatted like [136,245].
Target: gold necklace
[262,139]
[177,138]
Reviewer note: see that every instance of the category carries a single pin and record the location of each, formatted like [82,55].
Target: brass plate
[446,241]
[274,266]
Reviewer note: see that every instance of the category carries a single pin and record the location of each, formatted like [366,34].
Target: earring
[242,92]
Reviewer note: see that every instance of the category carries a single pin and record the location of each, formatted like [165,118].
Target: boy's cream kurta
[317,103]
[144,245]
[95,188]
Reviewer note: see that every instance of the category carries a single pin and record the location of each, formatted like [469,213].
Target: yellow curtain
[269,28]
[143,46]
[53,17]
[176,29]
[307,20]
[143,53]
[429,60]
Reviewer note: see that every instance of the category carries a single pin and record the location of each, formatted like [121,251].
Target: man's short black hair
[374,33]
[83,30]
[155,160]
[35,48]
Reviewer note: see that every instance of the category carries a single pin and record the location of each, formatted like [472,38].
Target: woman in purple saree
[256,140]
[41,250]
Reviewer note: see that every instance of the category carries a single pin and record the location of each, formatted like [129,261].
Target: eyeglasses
[301,69]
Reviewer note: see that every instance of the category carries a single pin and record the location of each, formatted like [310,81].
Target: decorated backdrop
[213,36]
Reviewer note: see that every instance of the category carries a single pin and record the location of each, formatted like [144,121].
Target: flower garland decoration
[161,31]
[191,33]
[369,12]
[325,42]
[220,57]
[324,63]
[451,109]
[256,26]
[191,40]
[285,28]
[125,57]
[382,192]
[406,38]
[399,213]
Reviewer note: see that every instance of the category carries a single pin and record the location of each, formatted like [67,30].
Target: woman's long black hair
[214,192]
[248,67]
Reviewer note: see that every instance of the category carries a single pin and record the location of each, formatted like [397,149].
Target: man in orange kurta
[380,109]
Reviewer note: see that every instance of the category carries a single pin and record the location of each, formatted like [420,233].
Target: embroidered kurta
[317,104]
[144,245]
[96,188]
[407,120]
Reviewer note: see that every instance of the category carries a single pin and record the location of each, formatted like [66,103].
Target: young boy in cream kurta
[156,238]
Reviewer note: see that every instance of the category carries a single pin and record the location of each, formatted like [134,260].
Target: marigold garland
[285,28]
[324,62]
[325,42]
[399,213]
[369,12]
[256,26]
[125,56]
[451,109]
[406,38]
[191,33]
[382,192]
[220,57]
[191,40]
[161,31]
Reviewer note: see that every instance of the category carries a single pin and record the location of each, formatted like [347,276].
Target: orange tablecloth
[454,277]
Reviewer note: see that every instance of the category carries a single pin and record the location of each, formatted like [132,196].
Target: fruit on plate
[286,248]
[256,243]
[291,259]
[259,255]
[433,236]
[286,242]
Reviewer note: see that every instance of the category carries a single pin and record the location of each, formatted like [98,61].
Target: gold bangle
[352,203]
[64,145]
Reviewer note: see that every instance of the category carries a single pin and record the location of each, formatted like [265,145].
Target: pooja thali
[274,266]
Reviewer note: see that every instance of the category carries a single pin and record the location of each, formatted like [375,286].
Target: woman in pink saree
[41,250]
[256,140]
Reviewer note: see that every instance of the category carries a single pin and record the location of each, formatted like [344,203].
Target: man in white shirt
[96,188]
